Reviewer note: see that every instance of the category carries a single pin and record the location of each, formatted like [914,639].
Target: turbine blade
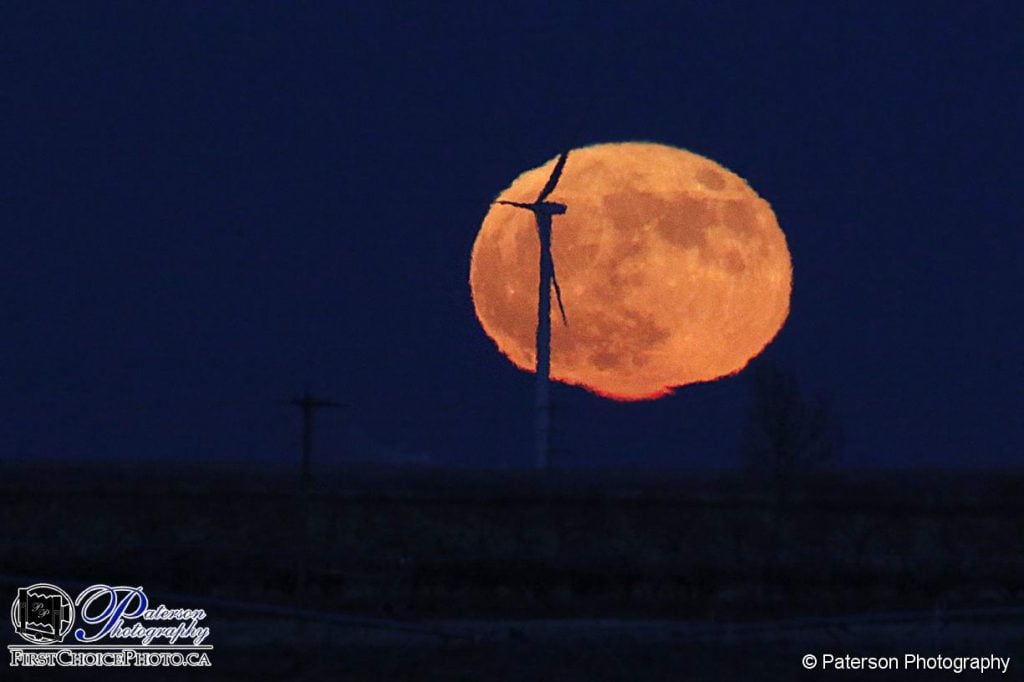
[517,204]
[558,293]
[555,175]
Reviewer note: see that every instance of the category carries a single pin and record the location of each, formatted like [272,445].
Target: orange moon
[673,271]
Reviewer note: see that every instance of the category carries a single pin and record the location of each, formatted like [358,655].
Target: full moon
[672,269]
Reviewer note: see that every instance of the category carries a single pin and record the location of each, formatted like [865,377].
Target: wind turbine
[544,211]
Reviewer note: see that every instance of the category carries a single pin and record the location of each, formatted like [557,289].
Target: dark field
[454,575]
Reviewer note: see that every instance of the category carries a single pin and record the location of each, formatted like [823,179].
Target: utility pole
[309,405]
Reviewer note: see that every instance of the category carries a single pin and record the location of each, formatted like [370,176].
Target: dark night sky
[208,207]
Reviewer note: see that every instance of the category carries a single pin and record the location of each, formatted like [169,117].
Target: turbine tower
[544,211]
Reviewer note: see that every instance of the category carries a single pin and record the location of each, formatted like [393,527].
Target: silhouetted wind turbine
[543,211]
[309,405]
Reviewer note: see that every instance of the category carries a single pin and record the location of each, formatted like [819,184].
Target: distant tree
[788,435]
